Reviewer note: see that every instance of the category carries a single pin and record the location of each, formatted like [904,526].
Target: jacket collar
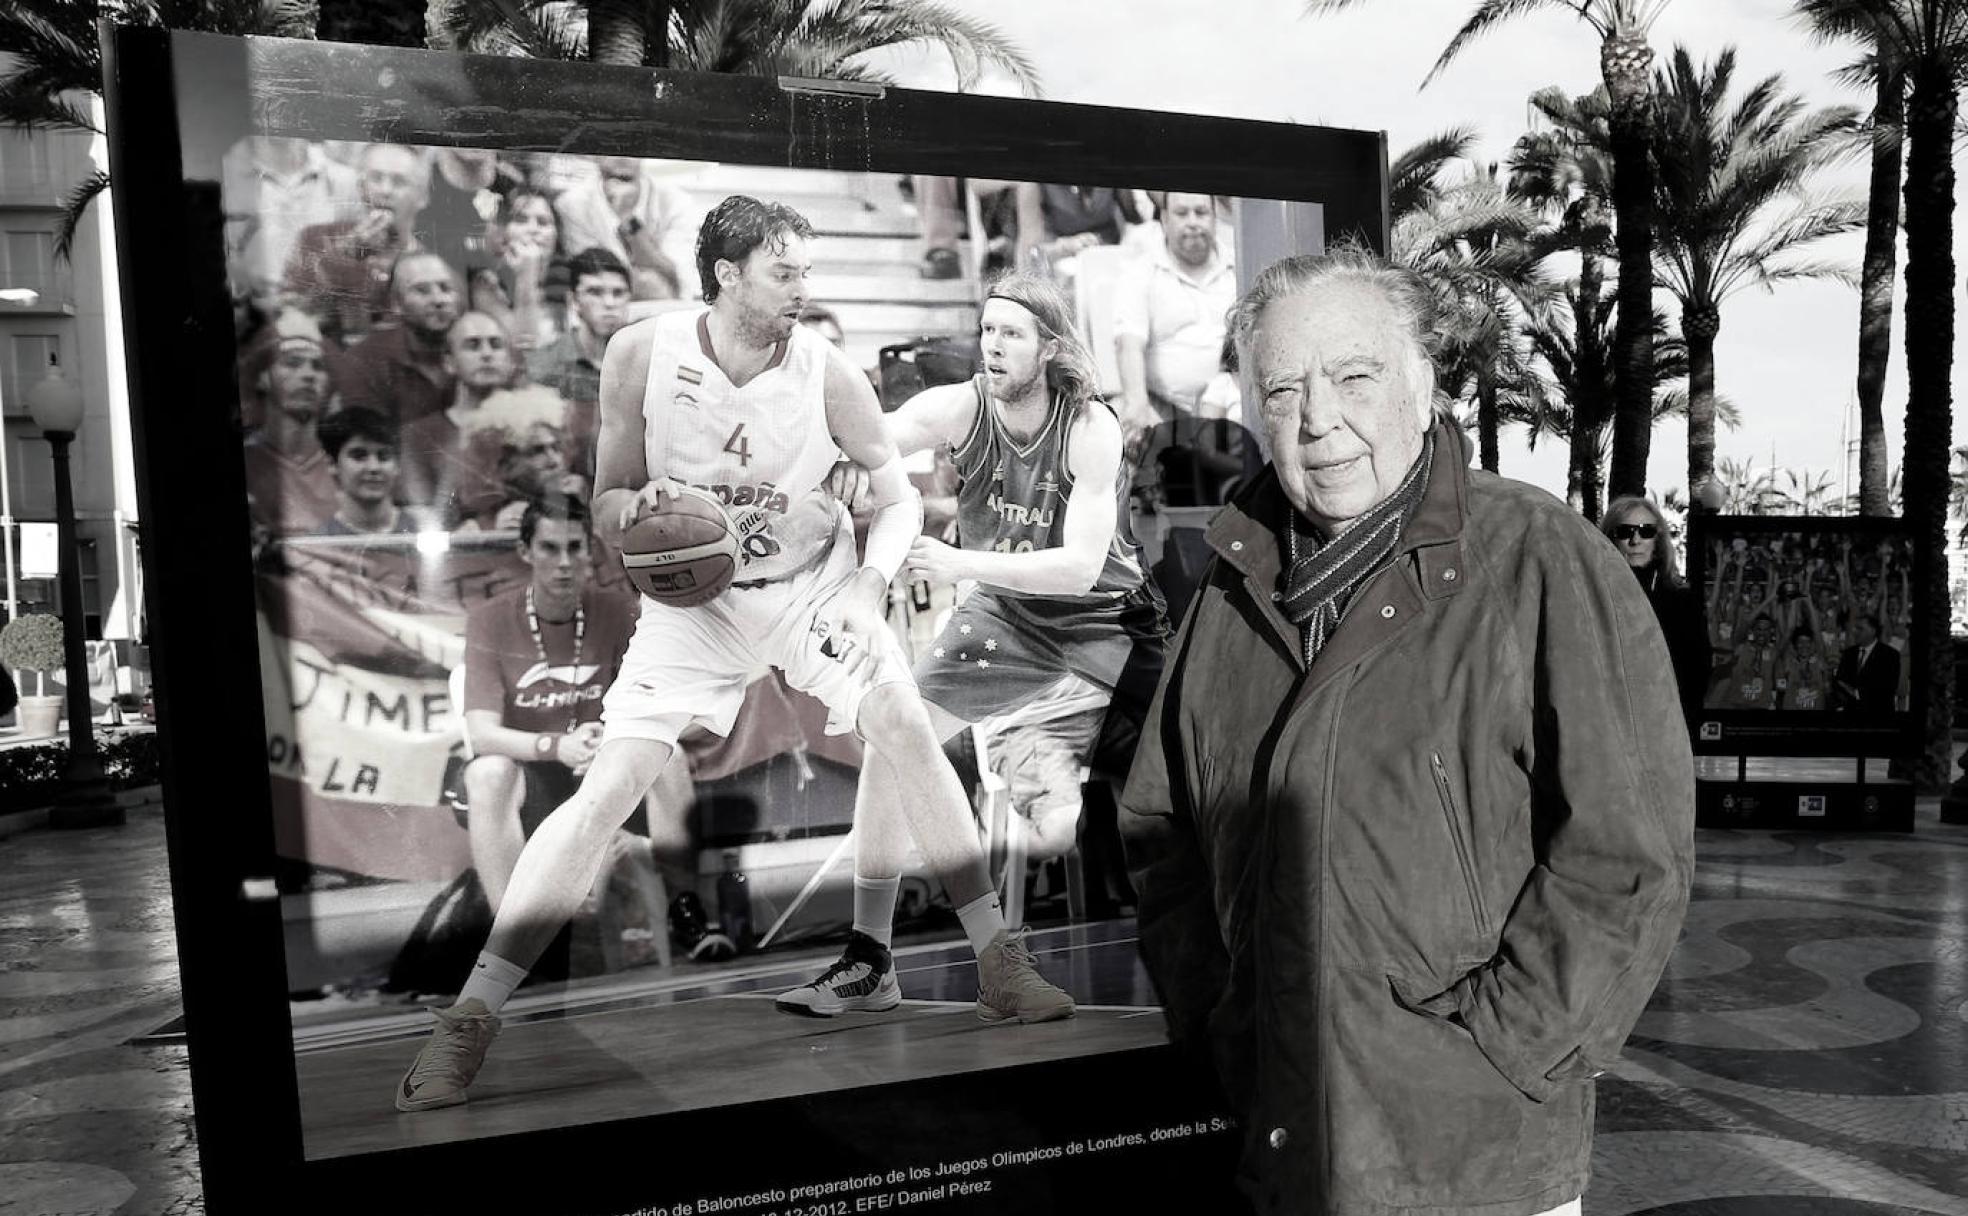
[1246,533]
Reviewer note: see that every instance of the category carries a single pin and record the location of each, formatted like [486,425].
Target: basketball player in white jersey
[742,399]
[1042,517]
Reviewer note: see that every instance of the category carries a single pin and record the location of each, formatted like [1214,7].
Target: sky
[1787,359]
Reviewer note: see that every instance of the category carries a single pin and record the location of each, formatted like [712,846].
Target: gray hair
[1406,292]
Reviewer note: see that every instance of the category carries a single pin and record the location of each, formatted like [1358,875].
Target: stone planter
[39,717]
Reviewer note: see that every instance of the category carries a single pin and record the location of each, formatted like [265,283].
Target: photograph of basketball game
[705,613]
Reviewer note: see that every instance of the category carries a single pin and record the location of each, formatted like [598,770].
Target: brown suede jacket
[1415,898]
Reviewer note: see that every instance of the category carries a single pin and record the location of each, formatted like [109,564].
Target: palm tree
[1625,63]
[1414,180]
[1566,164]
[1806,493]
[1881,69]
[1720,170]
[1929,40]
[56,56]
[1746,491]
[1586,376]
[1469,242]
[814,38]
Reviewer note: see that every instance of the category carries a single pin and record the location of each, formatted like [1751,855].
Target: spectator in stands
[273,189]
[290,484]
[940,209]
[537,661]
[466,189]
[1169,316]
[572,366]
[362,444]
[645,222]
[402,371]
[341,271]
[526,282]
[512,445]
[823,321]
[437,472]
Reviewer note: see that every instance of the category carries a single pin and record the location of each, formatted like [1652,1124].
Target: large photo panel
[405,272]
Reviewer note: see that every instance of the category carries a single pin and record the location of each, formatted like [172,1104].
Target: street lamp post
[85,800]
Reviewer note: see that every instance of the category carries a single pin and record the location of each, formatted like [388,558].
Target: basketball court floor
[662,1040]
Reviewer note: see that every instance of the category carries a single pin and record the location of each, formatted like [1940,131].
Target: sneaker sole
[986,1013]
[819,1009]
[413,1105]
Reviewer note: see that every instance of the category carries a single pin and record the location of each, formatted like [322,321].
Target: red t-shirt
[503,672]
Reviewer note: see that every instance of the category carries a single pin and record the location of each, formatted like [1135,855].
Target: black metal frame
[176,101]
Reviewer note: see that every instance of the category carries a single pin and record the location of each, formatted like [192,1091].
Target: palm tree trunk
[617,33]
[1589,371]
[1625,62]
[1930,408]
[1876,287]
[1700,323]
[1486,415]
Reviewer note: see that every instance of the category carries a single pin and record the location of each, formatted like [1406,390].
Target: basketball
[684,555]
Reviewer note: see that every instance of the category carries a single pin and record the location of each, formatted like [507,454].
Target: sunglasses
[1629,531]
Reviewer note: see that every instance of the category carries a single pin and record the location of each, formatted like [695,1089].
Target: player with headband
[1042,519]
[742,399]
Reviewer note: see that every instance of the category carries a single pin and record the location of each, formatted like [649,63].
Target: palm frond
[74,207]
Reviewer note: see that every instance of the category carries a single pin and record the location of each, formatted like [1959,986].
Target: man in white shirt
[1168,315]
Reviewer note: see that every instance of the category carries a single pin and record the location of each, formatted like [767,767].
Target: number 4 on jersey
[740,446]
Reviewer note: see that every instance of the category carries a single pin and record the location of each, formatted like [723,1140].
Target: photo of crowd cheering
[444,605]
[1808,621]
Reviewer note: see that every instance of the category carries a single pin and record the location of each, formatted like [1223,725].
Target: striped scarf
[1319,584]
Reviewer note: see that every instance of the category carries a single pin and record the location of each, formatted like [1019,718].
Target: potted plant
[34,643]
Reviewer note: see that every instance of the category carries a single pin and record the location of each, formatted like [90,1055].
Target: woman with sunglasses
[1639,530]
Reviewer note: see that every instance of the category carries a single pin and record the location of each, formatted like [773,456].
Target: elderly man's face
[1342,387]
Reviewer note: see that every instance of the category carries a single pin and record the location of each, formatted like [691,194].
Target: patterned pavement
[1807,1053]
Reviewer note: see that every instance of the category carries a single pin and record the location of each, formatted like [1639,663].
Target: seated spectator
[290,483]
[537,661]
[402,371]
[1169,315]
[512,446]
[526,283]
[273,189]
[572,366]
[940,210]
[340,271]
[437,473]
[644,221]
[362,446]
[1070,219]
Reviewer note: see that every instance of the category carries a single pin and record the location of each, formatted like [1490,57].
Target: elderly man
[340,270]
[1413,830]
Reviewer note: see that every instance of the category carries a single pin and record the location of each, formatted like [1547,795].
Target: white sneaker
[863,980]
[450,1059]
[1009,987]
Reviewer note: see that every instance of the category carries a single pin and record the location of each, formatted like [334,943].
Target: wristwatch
[544,745]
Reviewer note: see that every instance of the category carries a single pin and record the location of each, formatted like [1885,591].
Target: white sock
[983,919]
[492,980]
[874,906]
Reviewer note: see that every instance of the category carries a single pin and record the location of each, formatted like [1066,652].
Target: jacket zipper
[1461,843]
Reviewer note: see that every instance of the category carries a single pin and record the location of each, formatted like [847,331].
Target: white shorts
[686,665]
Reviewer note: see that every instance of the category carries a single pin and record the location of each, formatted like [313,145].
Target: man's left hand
[939,563]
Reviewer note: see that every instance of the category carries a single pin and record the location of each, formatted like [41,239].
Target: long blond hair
[1072,373]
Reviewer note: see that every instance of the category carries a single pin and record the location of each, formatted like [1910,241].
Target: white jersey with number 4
[763,448]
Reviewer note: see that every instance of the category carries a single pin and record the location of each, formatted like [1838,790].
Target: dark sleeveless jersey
[1012,497]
